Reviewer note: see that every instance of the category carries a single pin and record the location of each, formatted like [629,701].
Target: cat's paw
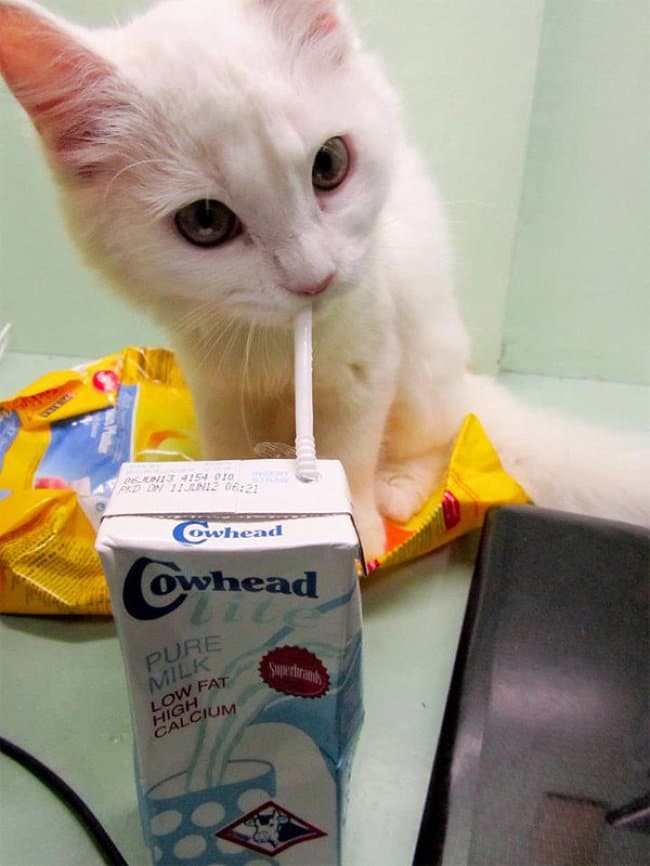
[403,488]
[371,531]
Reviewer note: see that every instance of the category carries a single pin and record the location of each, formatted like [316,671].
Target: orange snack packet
[475,481]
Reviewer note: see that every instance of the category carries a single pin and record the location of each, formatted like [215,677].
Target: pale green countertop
[64,695]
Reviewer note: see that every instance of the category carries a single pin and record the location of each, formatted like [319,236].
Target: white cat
[223,163]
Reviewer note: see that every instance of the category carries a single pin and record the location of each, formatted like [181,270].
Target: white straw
[306,467]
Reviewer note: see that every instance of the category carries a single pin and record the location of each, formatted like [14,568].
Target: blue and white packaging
[234,587]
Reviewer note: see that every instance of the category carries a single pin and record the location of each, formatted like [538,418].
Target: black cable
[104,844]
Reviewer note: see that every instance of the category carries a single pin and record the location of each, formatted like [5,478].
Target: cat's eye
[207,223]
[331,164]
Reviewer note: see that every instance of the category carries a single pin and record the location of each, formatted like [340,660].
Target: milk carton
[234,587]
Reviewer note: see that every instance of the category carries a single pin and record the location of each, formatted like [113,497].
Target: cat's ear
[68,91]
[319,25]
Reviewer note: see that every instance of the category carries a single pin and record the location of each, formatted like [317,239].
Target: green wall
[500,97]
[579,296]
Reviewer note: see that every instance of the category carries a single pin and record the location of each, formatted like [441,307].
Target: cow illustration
[270,829]
[267,824]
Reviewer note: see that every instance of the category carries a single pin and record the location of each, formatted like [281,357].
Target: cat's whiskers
[247,354]
[245,384]
[266,349]
[217,345]
[191,320]
[198,325]
[130,167]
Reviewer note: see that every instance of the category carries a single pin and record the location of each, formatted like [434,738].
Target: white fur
[231,99]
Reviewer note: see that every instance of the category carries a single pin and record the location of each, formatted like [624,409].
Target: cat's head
[233,154]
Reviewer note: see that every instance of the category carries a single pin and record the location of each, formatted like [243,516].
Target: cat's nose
[315,288]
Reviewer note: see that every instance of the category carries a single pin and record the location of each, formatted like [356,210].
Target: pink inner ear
[53,76]
[305,16]
[322,25]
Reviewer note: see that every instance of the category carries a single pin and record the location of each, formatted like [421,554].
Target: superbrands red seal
[450,510]
[294,670]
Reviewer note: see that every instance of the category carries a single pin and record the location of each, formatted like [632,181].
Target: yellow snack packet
[64,437]
[62,441]
[475,481]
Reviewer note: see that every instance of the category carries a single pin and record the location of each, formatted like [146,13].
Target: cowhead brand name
[199,531]
[153,587]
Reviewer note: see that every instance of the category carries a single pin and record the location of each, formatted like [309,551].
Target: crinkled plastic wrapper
[63,439]
[475,481]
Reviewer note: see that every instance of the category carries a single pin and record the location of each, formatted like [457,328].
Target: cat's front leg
[224,428]
[349,427]
[420,431]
